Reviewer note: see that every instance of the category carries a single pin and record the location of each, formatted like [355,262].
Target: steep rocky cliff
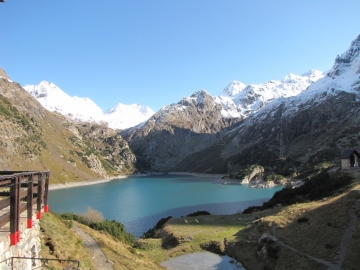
[32,138]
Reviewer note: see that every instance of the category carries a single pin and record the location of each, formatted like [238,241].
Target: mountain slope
[32,138]
[79,109]
[197,122]
[290,134]
[176,131]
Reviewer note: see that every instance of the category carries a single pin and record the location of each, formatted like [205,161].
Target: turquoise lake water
[139,202]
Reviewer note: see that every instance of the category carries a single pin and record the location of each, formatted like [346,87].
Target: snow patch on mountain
[75,108]
[125,116]
[233,88]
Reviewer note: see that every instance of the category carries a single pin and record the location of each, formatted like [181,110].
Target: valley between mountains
[285,126]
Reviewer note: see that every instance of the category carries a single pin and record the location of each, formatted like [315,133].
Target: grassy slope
[123,256]
[319,237]
[202,229]
[59,242]
[57,154]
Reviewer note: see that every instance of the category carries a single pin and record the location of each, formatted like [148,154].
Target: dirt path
[99,259]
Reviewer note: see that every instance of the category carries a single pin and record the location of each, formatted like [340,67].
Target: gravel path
[99,259]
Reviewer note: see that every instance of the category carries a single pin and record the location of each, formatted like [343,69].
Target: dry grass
[352,258]
[122,255]
[202,230]
[320,236]
[59,242]
[246,252]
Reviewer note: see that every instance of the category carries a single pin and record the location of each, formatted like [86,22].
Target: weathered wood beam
[4,203]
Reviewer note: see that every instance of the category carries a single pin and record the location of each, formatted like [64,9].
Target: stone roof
[347,153]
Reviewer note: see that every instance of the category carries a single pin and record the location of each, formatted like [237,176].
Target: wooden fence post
[46,206]
[18,208]
[14,210]
[30,196]
[39,195]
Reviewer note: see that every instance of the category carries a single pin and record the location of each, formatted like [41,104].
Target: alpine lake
[140,202]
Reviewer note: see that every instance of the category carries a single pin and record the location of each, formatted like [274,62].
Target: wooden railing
[25,190]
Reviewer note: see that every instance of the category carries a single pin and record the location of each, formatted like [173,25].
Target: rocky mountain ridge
[291,134]
[246,100]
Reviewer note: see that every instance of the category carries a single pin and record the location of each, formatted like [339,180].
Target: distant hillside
[32,138]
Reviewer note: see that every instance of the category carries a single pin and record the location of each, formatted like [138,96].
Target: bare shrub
[92,216]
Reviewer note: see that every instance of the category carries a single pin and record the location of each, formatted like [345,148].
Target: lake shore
[197,174]
[100,181]
[84,183]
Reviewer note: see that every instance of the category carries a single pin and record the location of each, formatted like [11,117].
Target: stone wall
[28,246]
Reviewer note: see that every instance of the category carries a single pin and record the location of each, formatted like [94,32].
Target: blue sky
[155,52]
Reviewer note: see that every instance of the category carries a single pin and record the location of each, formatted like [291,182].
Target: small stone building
[349,158]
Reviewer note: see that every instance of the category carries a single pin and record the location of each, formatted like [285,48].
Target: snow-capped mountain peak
[124,116]
[233,88]
[44,88]
[76,108]
[239,100]
[313,74]
[53,98]
[343,76]
[350,58]
[123,109]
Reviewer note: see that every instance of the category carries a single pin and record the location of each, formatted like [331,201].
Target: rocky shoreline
[259,183]
[254,184]
[197,174]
